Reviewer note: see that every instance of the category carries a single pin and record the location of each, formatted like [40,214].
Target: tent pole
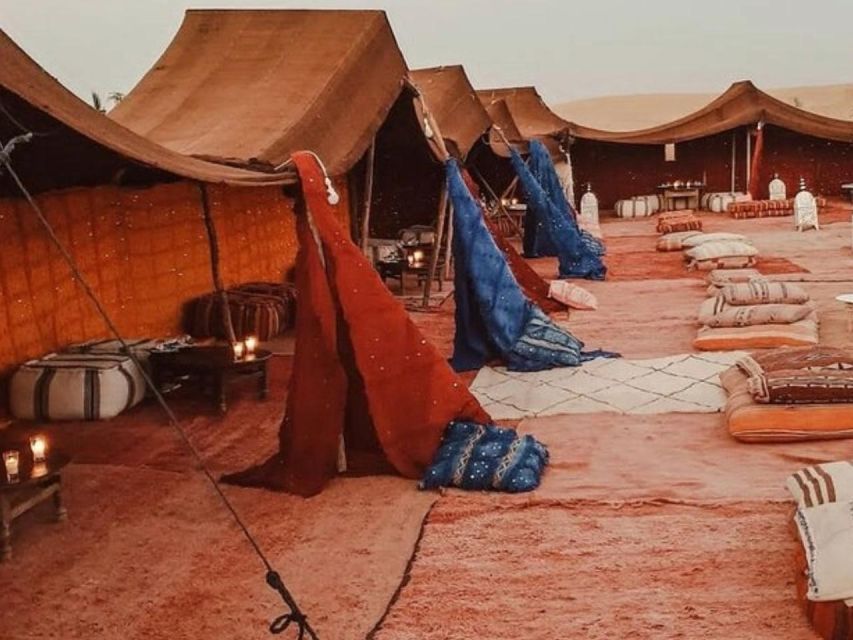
[368,196]
[499,202]
[748,156]
[436,244]
[734,158]
[213,244]
[448,253]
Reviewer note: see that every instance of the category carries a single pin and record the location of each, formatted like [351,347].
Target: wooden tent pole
[734,159]
[448,253]
[368,196]
[748,156]
[213,244]
[436,245]
[499,202]
[510,189]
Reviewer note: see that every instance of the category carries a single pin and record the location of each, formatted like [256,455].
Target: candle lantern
[251,345]
[10,461]
[38,445]
[238,348]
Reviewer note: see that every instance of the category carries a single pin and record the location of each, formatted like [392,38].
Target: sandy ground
[631,112]
[656,527]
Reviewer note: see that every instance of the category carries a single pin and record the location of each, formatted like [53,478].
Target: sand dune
[629,112]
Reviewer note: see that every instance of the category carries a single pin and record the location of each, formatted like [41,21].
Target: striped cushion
[75,387]
[798,386]
[675,241]
[721,249]
[730,262]
[733,276]
[260,309]
[702,238]
[764,292]
[822,483]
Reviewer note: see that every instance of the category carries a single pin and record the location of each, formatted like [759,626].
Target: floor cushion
[730,262]
[84,386]
[746,316]
[764,292]
[800,386]
[671,222]
[674,241]
[720,249]
[732,276]
[633,208]
[822,483]
[826,532]
[572,295]
[763,336]
[721,236]
[257,309]
[749,421]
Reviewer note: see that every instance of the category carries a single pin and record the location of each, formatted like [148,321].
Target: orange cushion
[760,336]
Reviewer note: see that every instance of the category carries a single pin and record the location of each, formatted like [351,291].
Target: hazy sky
[568,48]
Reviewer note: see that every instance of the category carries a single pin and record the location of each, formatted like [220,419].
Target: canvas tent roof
[79,135]
[453,103]
[742,104]
[250,87]
[529,112]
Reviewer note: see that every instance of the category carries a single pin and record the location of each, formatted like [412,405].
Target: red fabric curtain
[754,187]
[362,368]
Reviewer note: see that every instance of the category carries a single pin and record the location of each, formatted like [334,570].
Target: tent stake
[436,245]
[213,245]
[368,196]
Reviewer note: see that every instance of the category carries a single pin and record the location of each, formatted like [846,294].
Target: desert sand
[640,111]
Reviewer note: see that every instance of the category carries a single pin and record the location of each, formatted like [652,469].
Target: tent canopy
[250,87]
[453,103]
[741,104]
[76,145]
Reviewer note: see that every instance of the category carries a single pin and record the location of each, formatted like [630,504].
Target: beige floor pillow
[764,292]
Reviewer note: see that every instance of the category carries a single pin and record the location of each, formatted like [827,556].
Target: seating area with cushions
[756,314]
[260,309]
[675,221]
[720,201]
[766,208]
[791,394]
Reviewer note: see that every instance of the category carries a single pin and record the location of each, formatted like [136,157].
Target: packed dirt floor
[656,526]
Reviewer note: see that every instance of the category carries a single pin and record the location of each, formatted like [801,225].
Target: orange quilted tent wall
[144,251]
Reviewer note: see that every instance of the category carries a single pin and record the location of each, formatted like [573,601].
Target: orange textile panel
[256,229]
[144,252]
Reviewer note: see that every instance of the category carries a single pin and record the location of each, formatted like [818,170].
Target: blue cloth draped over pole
[542,167]
[494,319]
[575,257]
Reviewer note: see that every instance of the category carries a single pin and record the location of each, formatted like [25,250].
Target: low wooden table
[214,367]
[36,482]
[673,196]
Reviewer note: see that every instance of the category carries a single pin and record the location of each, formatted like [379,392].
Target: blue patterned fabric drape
[494,319]
[576,258]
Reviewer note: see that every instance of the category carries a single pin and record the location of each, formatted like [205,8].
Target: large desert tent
[130,212]
[250,87]
[532,117]
[715,145]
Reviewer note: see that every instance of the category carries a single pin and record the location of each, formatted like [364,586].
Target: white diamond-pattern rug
[687,383]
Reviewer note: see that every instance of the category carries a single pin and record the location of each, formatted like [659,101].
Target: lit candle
[238,347]
[38,444]
[419,256]
[39,469]
[10,459]
[514,201]
[251,344]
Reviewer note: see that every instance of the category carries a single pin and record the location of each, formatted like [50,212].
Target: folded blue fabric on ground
[480,457]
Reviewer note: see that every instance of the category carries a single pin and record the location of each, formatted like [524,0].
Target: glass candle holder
[251,345]
[238,348]
[10,461]
[38,445]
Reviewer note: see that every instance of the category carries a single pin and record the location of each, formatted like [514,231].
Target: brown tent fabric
[453,103]
[502,117]
[74,125]
[742,104]
[362,368]
[250,87]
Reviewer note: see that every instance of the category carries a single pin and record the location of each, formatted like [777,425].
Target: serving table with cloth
[34,484]
[676,198]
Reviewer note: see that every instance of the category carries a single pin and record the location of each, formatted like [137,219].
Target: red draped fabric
[754,187]
[531,283]
[362,369]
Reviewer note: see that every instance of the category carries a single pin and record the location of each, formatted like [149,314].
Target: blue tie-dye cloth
[575,258]
[479,457]
[494,319]
[542,168]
